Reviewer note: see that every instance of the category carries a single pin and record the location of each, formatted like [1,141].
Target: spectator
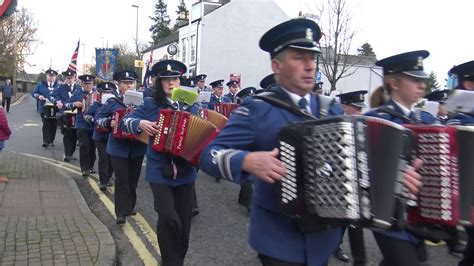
[4,129]
[7,92]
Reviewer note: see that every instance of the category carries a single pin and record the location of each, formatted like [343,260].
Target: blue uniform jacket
[89,116]
[78,96]
[214,100]
[118,147]
[461,119]
[230,96]
[425,118]
[154,164]
[254,127]
[63,93]
[42,89]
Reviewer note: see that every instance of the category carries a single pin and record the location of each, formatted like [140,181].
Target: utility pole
[15,49]
[136,33]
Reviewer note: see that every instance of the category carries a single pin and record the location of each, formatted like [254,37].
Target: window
[184,46]
[193,49]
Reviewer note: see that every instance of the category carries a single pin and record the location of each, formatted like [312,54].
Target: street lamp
[136,31]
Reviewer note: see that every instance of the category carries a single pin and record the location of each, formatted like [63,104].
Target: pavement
[44,218]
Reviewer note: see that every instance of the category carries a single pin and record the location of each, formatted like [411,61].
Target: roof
[351,59]
[25,77]
[173,37]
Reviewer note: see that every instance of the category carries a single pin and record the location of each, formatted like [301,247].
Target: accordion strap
[279,100]
[390,111]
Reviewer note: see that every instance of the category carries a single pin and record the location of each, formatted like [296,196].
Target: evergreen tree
[161,21]
[366,50]
[431,83]
[182,15]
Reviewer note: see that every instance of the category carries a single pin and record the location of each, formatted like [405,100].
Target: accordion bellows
[214,117]
[182,134]
[117,117]
[343,170]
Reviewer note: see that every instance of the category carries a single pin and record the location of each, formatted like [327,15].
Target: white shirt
[296,99]
[405,110]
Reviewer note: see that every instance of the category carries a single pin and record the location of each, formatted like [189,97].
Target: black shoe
[51,144]
[133,212]
[85,173]
[45,145]
[92,171]
[456,249]
[73,158]
[341,255]
[120,220]
[195,211]
[218,180]
[67,158]
[103,187]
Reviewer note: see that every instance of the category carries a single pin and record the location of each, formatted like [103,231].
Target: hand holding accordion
[116,119]
[181,134]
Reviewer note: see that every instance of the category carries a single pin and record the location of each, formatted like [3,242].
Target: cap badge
[126,74]
[419,62]
[168,67]
[309,34]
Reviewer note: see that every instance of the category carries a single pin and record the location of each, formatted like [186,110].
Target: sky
[390,26]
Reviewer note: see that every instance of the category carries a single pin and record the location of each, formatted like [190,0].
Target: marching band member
[218,90]
[233,89]
[42,93]
[84,129]
[267,82]
[465,74]
[440,96]
[61,95]
[126,155]
[246,148]
[200,81]
[100,135]
[403,85]
[171,178]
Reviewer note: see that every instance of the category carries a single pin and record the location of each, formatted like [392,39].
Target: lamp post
[83,58]
[136,32]
[15,51]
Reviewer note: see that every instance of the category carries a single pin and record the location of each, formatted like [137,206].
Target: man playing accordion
[246,148]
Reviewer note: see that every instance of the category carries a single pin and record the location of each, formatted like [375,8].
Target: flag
[148,69]
[73,65]
[105,63]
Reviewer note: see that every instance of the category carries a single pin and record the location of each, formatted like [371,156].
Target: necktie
[302,103]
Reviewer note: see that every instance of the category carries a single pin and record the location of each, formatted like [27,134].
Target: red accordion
[70,120]
[214,117]
[117,118]
[445,153]
[182,134]
[225,108]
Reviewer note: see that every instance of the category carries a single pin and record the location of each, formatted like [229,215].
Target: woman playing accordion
[403,87]
[171,178]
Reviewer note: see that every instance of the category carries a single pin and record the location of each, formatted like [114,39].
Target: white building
[223,38]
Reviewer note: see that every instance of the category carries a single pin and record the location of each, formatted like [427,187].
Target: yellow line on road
[145,255]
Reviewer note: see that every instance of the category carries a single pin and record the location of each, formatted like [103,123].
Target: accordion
[117,118]
[70,118]
[50,110]
[89,100]
[182,134]
[225,108]
[446,197]
[343,170]
[214,117]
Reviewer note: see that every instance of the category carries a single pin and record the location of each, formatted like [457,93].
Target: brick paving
[44,219]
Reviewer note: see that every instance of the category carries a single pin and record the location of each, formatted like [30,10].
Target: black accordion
[344,170]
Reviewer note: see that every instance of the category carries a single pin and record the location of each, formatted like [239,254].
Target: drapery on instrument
[214,117]
[342,170]
[182,134]
[50,110]
[117,117]
[70,118]
[225,108]
[446,197]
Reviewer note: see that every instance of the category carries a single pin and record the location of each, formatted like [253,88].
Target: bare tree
[17,40]
[336,41]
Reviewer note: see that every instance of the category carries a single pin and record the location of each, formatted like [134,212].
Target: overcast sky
[390,26]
